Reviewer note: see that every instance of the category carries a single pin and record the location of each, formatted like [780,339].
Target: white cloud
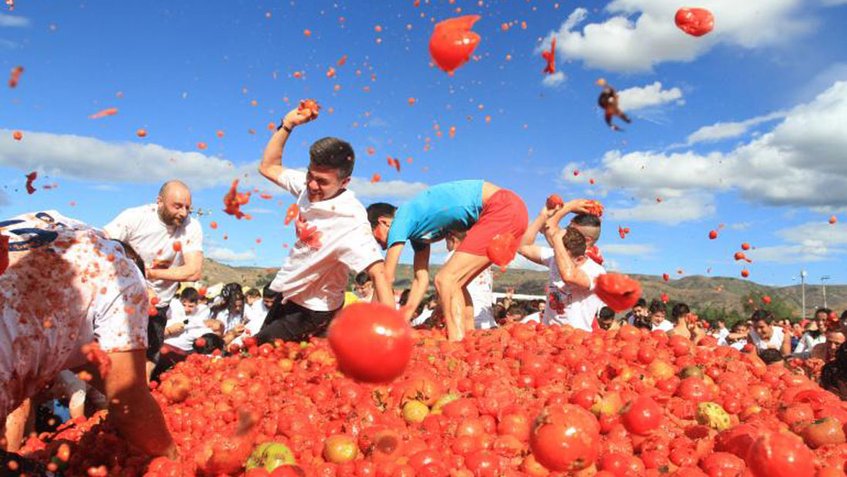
[809,242]
[629,249]
[728,130]
[13,21]
[92,159]
[554,80]
[227,255]
[639,34]
[632,99]
[800,162]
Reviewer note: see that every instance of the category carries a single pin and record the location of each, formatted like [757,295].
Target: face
[364,291]
[763,329]
[174,207]
[239,304]
[251,299]
[380,232]
[833,341]
[267,301]
[190,307]
[542,306]
[639,311]
[605,324]
[657,317]
[323,183]
[820,319]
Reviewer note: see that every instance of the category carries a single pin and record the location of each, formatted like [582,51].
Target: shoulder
[592,268]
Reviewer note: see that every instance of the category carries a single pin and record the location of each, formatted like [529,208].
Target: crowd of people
[126,312]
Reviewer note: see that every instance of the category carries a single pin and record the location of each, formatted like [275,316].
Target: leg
[15,425]
[450,281]
[468,313]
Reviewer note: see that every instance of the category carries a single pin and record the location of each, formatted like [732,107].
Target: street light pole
[803,291]
[823,284]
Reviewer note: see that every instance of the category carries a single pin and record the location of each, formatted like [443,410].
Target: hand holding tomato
[302,114]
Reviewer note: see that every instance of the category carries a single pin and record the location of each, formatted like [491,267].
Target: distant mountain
[698,291]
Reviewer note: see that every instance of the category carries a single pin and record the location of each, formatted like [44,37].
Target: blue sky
[743,127]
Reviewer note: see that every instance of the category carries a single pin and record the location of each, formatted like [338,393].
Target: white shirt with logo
[567,304]
[67,285]
[154,241]
[334,237]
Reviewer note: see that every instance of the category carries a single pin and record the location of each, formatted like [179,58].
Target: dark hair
[189,294]
[657,306]
[762,315]
[606,313]
[825,311]
[252,293]
[268,293]
[210,342]
[574,242]
[230,293]
[641,302]
[134,256]
[770,356]
[379,209]
[362,278]
[333,153]
[678,311]
[587,220]
[516,310]
[404,297]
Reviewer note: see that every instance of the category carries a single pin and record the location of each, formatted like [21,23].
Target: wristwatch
[283,126]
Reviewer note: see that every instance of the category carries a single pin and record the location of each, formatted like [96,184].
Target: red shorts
[505,212]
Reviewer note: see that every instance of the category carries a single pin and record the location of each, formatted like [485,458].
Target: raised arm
[271,166]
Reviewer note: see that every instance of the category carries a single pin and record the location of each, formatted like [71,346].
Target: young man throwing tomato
[488,213]
[333,236]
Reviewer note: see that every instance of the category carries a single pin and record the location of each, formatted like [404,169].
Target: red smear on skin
[103,113]
[452,42]
[95,355]
[30,178]
[376,178]
[233,200]
[695,21]
[15,76]
[550,58]
[4,253]
[292,213]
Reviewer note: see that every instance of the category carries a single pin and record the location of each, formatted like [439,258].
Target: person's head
[453,238]
[189,297]
[679,312]
[640,308]
[252,296]
[232,298]
[363,286]
[721,323]
[541,306]
[605,317]
[657,311]
[268,296]
[331,162]
[515,313]
[380,215]
[834,339]
[499,312]
[208,343]
[763,323]
[173,203]
[589,226]
[574,243]
[821,316]
[771,356]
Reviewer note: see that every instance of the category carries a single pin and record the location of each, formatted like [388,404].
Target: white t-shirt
[66,286]
[807,342]
[255,315]
[333,238]
[421,319]
[568,304]
[665,326]
[195,328]
[722,335]
[775,342]
[154,241]
[532,318]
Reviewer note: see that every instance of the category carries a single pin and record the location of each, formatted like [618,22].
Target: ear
[346,182]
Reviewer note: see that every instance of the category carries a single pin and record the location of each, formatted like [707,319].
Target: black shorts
[156,333]
[292,322]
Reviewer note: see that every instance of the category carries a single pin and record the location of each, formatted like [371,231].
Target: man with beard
[171,244]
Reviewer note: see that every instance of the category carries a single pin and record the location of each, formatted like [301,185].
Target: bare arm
[382,289]
[271,166]
[137,416]
[191,271]
[568,270]
[786,344]
[420,281]
[392,258]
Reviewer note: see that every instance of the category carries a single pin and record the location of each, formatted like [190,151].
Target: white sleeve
[194,238]
[360,250]
[593,271]
[292,180]
[176,312]
[121,226]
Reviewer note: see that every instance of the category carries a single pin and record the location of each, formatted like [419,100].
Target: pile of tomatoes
[521,400]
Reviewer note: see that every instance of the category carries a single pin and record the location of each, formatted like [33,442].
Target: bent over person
[171,244]
[333,237]
[67,286]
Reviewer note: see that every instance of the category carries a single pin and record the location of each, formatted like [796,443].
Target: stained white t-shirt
[334,237]
[195,328]
[568,304]
[66,286]
[154,241]
[665,326]
[481,291]
[775,341]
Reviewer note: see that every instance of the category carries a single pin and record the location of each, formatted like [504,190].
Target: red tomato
[566,438]
[723,464]
[695,21]
[554,201]
[641,416]
[452,42]
[776,454]
[618,291]
[372,342]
